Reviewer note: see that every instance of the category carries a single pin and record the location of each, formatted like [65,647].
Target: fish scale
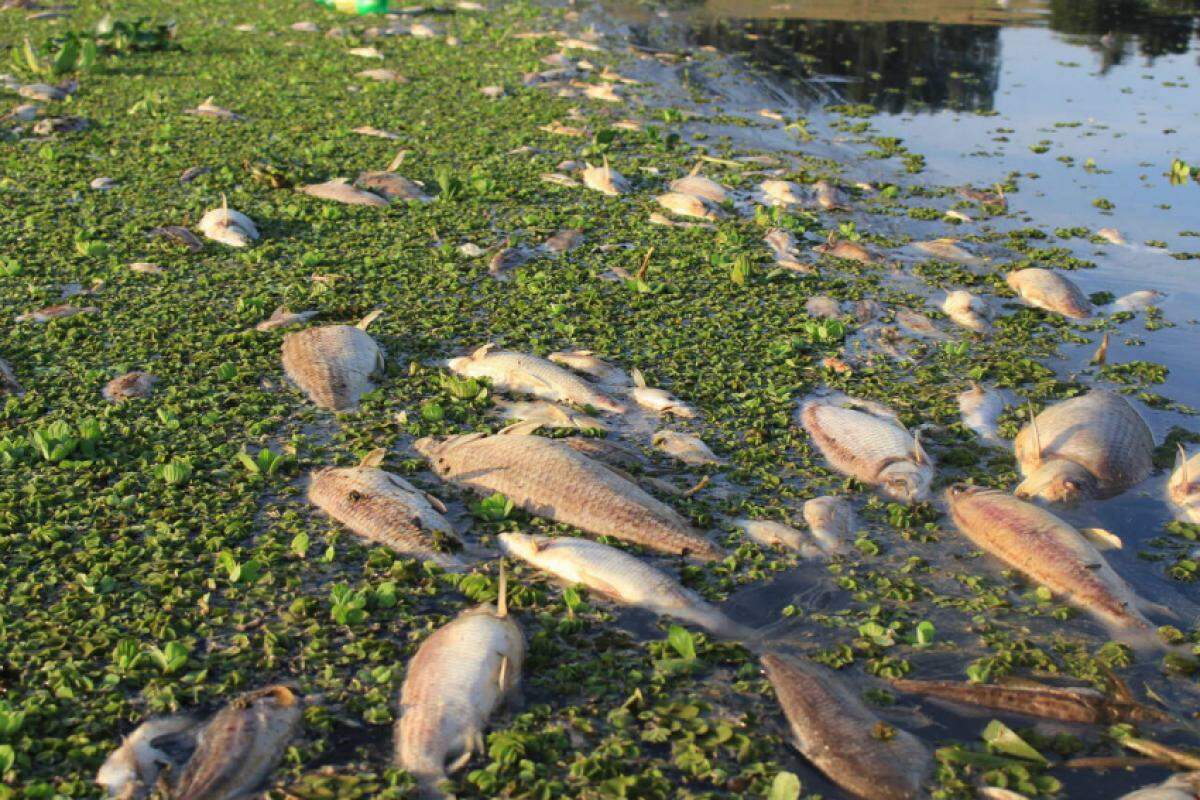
[1049,291]
[333,364]
[857,443]
[527,374]
[549,479]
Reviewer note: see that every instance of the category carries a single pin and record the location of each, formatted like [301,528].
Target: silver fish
[842,738]
[281,317]
[876,450]
[587,362]
[775,534]
[659,401]
[1049,291]
[700,186]
[131,771]
[550,479]
[967,310]
[1183,487]
[831,521]
[228,227]
[918,324]
[686,447]
[828,196]
[1095,445]
[1184,786]
[8,380]
[550,415]
[341,192]
[333,364]
[980,409]
[522,373]
[823,307]
[850,251]
[1138,301]
[688,205]
[948,250]
[779,192]
[605,179]
[391,186]
[621,577]
[128,386]
[213,111]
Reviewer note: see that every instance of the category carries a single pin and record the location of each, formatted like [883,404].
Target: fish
[620,577]
[948,250]
[179,235]
[128,386]
[1051,552]
[967,310]
[281,317]
[240,746]
[822,307]
[1092,446]
[213,111]
[603,91]
[460,675]
[383,75]
[1183,487]
[550,415]
[333,364]
[1138,301]
[980,409]
[55,312]
[1049,291]
[131,771]
[918,324]
[842,738]
[783,246]
[828,196]
[67,124]
[867,310]
[391,186]
[1111,235]
[588,363]
[563,241]
[494,91]
[850,251]
[1182,786]
[42,92]
[872,448]
[562,129]
[558,179]
[831,521]
[1065,704]
[8,380]
[548,478]
[102,184]
[365,52]
[227,226]
[146,268]
[775,534]
[688,205]
[659,401]
[779,192]
[378,133]
[385,509]
[685,447]
[994,197]
[605,179]
[700,186]
[522,373]
[506,259]
[342,192]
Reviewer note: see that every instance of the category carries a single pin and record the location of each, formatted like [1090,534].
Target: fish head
[906,481]
[1057,481]
[959,492]
[431,446]
[521,545]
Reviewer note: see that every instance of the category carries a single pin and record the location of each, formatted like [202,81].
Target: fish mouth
[962,490]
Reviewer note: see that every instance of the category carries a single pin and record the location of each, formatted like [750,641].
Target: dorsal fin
[368,319]
[696,169]
[1033,432]
[525,428]
[373,458]
[225,206]
[397,161]
[480,352]
[639,380]
[1101,355]
[607,168]
[919,453]
[558,413]
[502,598]
[1181,463]
[832,239]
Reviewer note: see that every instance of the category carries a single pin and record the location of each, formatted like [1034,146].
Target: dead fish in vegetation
[563,241]
[179,235]
[1111,235]
[981,409]
[967,310]
[1183,487]
[191,173]
[283,318]
[828,196]
[783,246]
[1184,786]
[391,186]
[850,251]
[831,521]
[948,250]
[506,259]
[382,75]
[333,364]
[842,738]
[227,226]
[240,746]
[783,193]
[8,380]
[146,268]
[131,771]
[1049,291]
[688,205]
[128,386]
[874,449]
[917,324]
[522,373]
[1093,446]
[550,415]
[377,133]
[587,362]
[776,534]
[822,306]
[458,678]
[67,124]
[211,110]
[42,92]
[342,192]
[620,577]
[365,52]
[605,179]
[550,479]
[1138,301]
[606,92]
[1051,552]
[56,312]
[699,186]
[659,401]
[685,447]
[385,509]
[559,179]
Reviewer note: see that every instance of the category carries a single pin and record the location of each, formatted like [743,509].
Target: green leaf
[1003,739]
[300,544]
[682,642]
[494,508]
[925,632]
[248,462]
[8,757]
[67,58]
[786,786]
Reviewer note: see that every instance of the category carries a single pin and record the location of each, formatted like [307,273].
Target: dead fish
[605,92]
[605,179]
[227,226]
[587,362]
[1049,291]
[781,242]
[506,259]
[131,771]
[191,173]
[659,401]
[550,415]
[687,205]
[67,124]
[8,380]
[25,112]
[980,409]
[561,129]
[42,92]
[967,310]
[828,196]
[342,192]
[842,738]
[378,133]
[782,192]
[1183,786]
[621,577]
[128,386]
[333,364]
[56,312]
[948,250]
[1093,446]
[305,27]
[146,267]
[558,179]
[550,479]
[823,307]
[459,676]
[211,110]
[918,324]
[102,184]
[493,92]
[957,216]
[471,250]
[383,75]
[420,30]
[579,44]
[1111,235]
[831,521]
[391,186]
[874,449]
[1065,704]
[365,52]
[993,197]
[240,746]
[179,235]
[1138,301]
[1033,541]
[850,251]
[1183,487]
[867,310]
[700,186]
[563,241]
[281,317]
[385,509]
[523,373]
[776,534]
[685,447]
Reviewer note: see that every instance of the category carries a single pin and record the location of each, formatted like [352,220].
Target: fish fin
[465,757]
[529,375]
[373,458]
[696,169]
[558,414]
[1037,439]
[480,352]
[368,319]
[596,583]
[503,673]
[919,453]
[1100,357]
[639,380]
[502,596]
[1102,539]
[606,166]
[526,428]
[1181,464]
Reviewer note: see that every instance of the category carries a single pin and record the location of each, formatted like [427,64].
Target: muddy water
[1086,104]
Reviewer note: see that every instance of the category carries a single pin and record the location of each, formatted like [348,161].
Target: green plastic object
[356,6]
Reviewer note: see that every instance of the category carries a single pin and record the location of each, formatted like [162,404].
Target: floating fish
[179,235]
[867,310]
[850,251]
[687,205]
[146,268]
[563,241]
[782,244]
[128,386]
[842,738]
[333,364]
[1049,291]
[550,415]
[831,521]
[659,401]
[980,409]
[1033,541]
[385,509]
[875,449]
[1092,446]
[548,478]
[605,92]
[605,179]
[700,186]
[967,310]
[918,324]
[782,192]
[281,317]
[560,129]
[459,676]
[1138,301]
[948,250]
[506,259]
[365,52]
[391,186]
[378,133]
[1111,235]
[685,447]
[131,771]
[822,307]
[522,373]
[559,179]
[383,75]
[67,124]
[1183,487]
[587,362]
[828,196]
[620,577]
[8,380]
[227,226]
[993,197]
[213,111]
[1065,704]
[42,92]
[102,184]
[342,192]
[55,312]
[775,534]
[191,173]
